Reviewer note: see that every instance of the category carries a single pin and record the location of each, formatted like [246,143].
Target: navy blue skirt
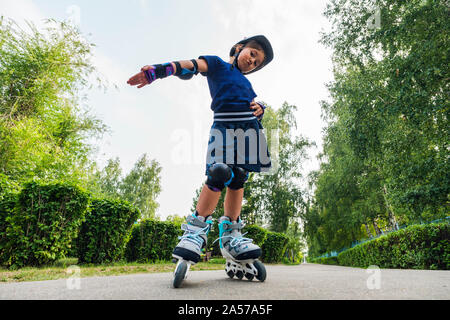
[237,139]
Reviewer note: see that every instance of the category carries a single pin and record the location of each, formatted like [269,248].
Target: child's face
[249,59]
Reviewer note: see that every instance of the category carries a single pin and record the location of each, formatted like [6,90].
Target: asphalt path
[302,282]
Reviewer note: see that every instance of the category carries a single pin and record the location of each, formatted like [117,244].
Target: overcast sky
[172,114]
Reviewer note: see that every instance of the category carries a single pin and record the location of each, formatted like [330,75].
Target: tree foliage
[43,128]
[277,198]
[141,186]
[385,157]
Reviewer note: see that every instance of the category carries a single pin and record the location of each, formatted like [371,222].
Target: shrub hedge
[292,254]
[152,240]
[212,236]
[41,222]
[8,197]
[415,247]
[325,260]
[258,234]
[105,232]
[274,247]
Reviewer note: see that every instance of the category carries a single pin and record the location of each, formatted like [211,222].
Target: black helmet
[264,43]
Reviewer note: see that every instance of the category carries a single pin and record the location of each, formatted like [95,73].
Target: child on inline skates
[236,147]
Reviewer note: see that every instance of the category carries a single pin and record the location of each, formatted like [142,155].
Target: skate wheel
[249,276]
[239,275]
[180,273]
[230,274]
[261,276]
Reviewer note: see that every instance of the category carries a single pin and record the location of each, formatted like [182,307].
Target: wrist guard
[186,74]
[160,71]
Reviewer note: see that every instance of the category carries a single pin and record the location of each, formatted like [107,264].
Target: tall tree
[392,78]
[277,198]
[142,185]
[43,128]
[386,145]
[108,181]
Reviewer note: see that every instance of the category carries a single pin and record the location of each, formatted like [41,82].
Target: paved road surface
[306,281]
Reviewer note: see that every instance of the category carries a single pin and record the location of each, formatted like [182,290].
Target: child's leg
[207,202]
[240,252]
[235,194]
[233,203]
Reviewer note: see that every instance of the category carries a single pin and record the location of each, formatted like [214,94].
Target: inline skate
[189,249]
[240,253]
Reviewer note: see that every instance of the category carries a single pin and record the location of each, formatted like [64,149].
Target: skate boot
[240,253]
[189,249]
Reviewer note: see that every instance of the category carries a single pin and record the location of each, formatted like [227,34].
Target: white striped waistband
[234,116]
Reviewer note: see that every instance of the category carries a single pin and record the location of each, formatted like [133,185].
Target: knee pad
[240,177]
[219,176]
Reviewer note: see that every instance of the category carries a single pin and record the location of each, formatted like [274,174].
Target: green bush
[292,254]
[213,234]
[274,247]
[45,219]
[152,240]
[106,230]
[8,197]
[258,234]
[326,260]
[416,247]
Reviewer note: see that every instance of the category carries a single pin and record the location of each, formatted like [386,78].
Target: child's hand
[140,79]
[258,109]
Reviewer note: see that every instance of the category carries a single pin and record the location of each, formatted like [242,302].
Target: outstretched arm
[150,73]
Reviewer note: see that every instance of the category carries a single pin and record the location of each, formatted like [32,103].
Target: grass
[64,268]
[60,269]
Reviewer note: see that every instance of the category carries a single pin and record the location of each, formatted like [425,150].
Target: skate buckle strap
[194,221]
[237,225]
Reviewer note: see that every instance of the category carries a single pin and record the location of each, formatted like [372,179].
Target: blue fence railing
[397,227]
